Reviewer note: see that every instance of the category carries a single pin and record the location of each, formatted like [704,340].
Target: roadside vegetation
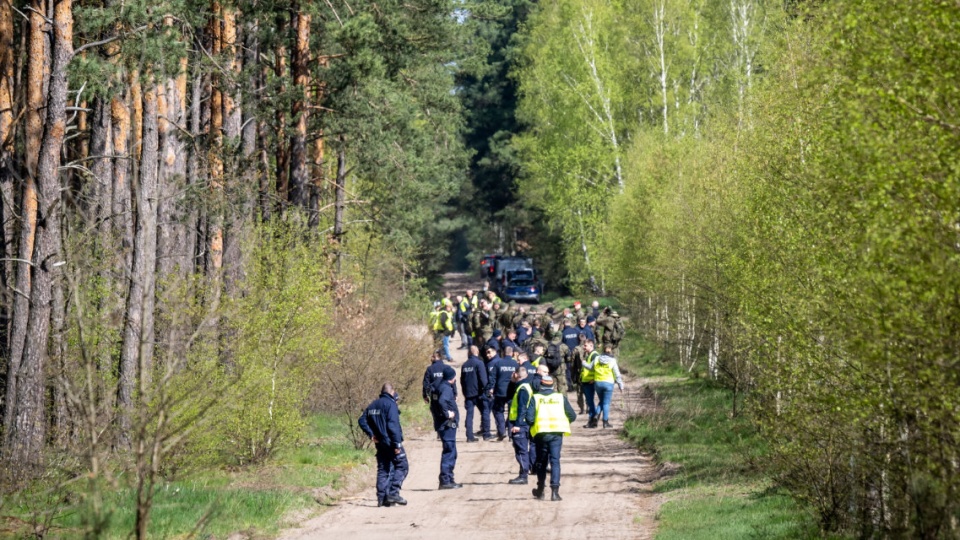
[714,485]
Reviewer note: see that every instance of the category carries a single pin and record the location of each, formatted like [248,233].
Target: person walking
[381,422]
[473,379]
[499,373]
[463,321]
[549,417]
[446,416]
[605,373]
[446,330]
[587,378]
[519,428]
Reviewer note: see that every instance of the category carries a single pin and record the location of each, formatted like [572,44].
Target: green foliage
[715,489]
[214,503]
[280,338]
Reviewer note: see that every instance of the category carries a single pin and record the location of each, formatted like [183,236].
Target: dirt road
[606,490]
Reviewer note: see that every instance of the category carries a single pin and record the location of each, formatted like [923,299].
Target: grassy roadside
[256,501]
[716,493]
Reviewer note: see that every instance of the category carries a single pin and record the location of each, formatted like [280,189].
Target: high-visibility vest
[587,374]
[536,362]
[474,301]
[464,305]
[435,320]
[514,403]
[446,302]
[603,372]
[551,416]
[446,321]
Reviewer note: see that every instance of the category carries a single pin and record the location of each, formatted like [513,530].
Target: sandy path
[606,490]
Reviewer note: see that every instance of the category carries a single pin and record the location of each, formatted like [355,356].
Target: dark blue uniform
[433,374]
[500,371]
[381,422]
[446,426]
[587,333]
[521,439]
[473,379]
[507,342]
[493,343]
[570,335]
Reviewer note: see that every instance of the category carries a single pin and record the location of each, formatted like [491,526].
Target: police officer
[519,428]
[495,342]
[473,379]
[510,341]
[381,422]
[463,320]
[549,417]
[433,373]
[486,398]
[446,416]
[500,371]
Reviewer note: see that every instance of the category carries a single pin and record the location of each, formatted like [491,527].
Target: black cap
[449,373]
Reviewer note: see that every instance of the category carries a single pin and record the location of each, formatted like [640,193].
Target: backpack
[618,331]
[553,356]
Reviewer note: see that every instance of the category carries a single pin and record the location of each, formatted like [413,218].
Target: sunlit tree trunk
[38,66]
[299,169]
[29,425]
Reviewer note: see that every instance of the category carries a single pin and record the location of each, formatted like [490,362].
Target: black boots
[554,493]
[592,423]
[520,480]
[606,424]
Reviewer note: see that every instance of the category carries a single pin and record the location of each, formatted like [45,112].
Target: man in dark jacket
[433,373]
[500,371]
[549,416]
[510,341]
[446,416]
[495,342]
[519,429]
[473,379]
[381,422]
[486,397]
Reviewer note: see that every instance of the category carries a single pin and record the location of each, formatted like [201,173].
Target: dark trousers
[521,449]
[448,458]
[485,404]
[569,375]
[548,452]
[500,414]
[392,469]
[469,404]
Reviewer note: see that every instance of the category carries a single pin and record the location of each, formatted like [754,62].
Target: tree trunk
[28,429]
[38,60]
[299,171]
[283,150]
[339,202]
[7,129]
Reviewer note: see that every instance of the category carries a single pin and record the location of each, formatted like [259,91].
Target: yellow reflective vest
[587,373]
[551,416]
[474,301]
[603,372]
[435,321]
[446,321]
[464,305]
[514,403]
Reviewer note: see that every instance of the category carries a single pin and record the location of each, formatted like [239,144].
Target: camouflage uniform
[576,364]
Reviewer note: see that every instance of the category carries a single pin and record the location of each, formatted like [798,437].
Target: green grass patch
[717,491]
[207,504]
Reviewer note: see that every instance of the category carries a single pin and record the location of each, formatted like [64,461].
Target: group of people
[519,368]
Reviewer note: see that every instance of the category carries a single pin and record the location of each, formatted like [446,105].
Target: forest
[209,206]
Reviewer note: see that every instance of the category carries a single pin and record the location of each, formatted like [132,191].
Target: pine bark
[299,168]
[38,60]
[7,177]
[29,426]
